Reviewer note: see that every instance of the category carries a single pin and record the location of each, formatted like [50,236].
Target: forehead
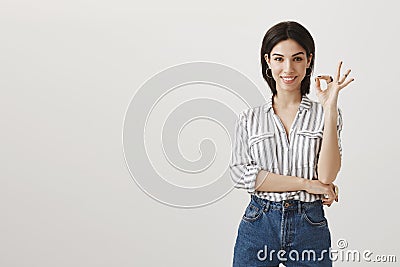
[288,46]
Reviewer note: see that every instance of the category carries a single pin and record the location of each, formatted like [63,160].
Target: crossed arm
[329,163]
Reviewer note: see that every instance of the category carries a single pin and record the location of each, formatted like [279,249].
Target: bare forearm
[271,182]
[329,159]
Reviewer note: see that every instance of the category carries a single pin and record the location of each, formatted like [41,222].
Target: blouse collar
[304,104]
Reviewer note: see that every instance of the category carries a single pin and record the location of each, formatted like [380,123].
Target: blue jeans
[291,232]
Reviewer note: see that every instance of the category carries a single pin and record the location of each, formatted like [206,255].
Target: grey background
[68,71]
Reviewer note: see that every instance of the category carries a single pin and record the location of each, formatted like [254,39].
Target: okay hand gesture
[328,97]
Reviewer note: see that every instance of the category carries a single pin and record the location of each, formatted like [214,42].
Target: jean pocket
[315,216]
[252,213]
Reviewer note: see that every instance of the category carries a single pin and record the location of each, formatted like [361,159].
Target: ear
[309,60]
[267,59]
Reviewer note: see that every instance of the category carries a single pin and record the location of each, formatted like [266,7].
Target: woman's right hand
[316,187]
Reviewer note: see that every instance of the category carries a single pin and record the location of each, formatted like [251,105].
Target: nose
[288,68]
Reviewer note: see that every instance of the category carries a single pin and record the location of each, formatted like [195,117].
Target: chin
[290,88]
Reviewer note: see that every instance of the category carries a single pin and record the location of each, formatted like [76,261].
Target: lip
[288,79]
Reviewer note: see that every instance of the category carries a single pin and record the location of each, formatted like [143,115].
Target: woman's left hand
[328,97]
[329,200]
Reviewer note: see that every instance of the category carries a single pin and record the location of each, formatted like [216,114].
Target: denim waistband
[286,204]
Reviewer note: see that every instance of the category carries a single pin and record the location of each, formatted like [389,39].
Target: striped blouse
[260,142]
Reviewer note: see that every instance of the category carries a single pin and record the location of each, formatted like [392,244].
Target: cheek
[301,70]
[275,74]
[276,71]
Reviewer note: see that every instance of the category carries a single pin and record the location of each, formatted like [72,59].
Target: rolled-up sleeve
[243,169]
[339,130]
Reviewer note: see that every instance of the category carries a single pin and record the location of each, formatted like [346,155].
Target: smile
[288,79]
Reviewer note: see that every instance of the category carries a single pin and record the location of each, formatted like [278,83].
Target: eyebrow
[299,53]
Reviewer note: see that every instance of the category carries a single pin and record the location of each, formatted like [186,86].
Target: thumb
[318,85]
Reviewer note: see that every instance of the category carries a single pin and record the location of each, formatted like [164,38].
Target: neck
[287,99]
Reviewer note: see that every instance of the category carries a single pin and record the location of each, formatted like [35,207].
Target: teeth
[288,79]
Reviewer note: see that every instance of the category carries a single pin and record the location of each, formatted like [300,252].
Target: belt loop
[299,207]
[266,208]
[255,199]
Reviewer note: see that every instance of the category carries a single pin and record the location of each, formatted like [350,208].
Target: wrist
[305,184]
[330,108]
[331,113]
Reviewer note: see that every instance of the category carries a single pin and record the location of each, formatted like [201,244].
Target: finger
[328,199]
[318,85]
[328,203]
[336,189]
[338,70]
[327,78]
[336,194]
[330,195]
[331,198]
[343,85]
[345,76]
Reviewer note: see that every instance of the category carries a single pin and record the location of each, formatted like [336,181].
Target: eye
[278,59]
[298,59]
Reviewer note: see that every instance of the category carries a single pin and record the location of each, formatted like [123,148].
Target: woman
[286,154]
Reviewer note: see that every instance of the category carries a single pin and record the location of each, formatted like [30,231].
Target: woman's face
[288,62]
